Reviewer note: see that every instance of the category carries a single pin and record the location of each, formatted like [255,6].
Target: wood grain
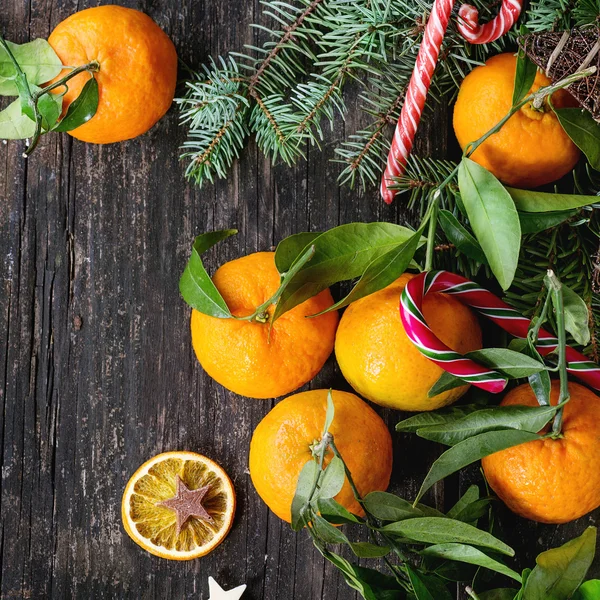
[97,372]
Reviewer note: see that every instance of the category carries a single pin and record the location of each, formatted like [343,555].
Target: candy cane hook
[490,306]
[420,81]
[472,31]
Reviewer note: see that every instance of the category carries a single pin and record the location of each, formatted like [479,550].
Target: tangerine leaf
[532,201]
[388,507]
[581,127]
[441,530]
[559,572]
[473,449]
[196,286]
[37,59]
[290,249]
[82,109]
[510,363]
[468,554]
[300,504]
[14,125]
[335,513]
[524,75]
[460,237]
[418,585]
[333,479]
[577,316]
[493,217]
[471,495]
[538,222]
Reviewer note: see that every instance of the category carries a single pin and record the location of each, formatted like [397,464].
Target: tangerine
[137,70]
[281,446]
[381,363]
[552,480]
[532,148]
[260,359]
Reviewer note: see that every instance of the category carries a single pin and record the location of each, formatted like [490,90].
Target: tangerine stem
[433,218]
[555,289]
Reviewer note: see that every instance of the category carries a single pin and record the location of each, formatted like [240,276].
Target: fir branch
[215,109]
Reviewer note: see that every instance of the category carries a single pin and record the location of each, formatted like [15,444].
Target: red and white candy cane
[420,80]
[493,308]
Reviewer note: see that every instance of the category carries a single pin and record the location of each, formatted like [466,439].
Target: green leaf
[327,532]
[330,413]
[440,530]
[474,511]
[542,202]
[446,382]
[471,495]
[342,253]
[14,125]
[443,415]
[352,575]
[418,585]
[306,481]
[560,571]
[82,109]
[367,550]
[493,217]
[538,222]
[583,130]
[50,107]
[524,418]
[290,248]
[383,271]
[510,363]
[471,450]
[590,590]
[577,316]
[196,286]
[335,513]
[499,594]
[460,237]
[37,60]
[525,73]
[333,479]
[540,382]
[467,554]
[388,507]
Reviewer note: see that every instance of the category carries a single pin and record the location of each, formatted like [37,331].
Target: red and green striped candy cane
[490,306]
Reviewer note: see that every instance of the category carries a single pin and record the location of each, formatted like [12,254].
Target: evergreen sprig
[284,90]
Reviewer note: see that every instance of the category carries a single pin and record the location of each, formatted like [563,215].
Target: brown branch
[289,32]
[302,126]
[203,158]
[270,118]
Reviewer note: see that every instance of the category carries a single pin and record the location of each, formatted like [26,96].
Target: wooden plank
[97,373]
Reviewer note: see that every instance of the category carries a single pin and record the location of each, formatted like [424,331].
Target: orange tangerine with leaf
[257,358]
[531,149]
[285,439]
[552,480]
[137,70]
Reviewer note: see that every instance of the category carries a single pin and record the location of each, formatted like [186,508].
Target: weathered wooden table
[97,373]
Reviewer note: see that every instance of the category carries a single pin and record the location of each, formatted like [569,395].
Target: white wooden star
[218,593]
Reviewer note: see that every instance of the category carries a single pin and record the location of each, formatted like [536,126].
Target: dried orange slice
[178,505]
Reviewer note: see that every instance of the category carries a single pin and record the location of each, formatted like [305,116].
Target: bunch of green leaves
[23,69]
[375,254]
[425,550]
